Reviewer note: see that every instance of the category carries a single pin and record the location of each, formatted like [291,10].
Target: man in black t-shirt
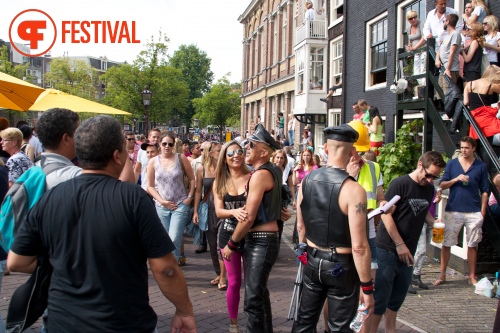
[398,236]
[98,233]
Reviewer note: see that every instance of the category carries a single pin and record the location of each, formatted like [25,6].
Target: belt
[263,234]
[328,255]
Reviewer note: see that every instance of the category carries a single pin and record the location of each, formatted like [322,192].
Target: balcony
[316,29]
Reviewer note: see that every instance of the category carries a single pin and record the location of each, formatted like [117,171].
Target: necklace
[334,167]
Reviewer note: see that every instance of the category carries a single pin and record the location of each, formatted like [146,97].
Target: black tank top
[477,100]
[229,224]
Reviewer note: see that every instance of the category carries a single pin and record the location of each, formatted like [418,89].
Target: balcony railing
[311,29]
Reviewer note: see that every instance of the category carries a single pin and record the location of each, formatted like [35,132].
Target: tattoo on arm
[361,208]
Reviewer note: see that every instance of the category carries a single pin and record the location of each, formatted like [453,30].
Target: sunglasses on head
[231,153]
[170,144]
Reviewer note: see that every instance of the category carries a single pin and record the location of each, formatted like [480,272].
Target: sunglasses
[430,175]
[411,18]
[231,153]
[170,144]
[486,23]
[130,139]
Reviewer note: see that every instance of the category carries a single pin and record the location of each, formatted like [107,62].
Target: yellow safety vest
[368,178]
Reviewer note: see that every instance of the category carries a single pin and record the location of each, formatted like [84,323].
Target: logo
[38,32]
[36,29]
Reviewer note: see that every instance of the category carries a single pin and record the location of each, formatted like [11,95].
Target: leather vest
[270,206]
[326,225]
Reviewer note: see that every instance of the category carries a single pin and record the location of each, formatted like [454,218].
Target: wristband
[367,287]
[233,242]
[233,246]
[400,244]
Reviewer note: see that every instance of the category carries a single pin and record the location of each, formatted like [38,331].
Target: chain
[334,167]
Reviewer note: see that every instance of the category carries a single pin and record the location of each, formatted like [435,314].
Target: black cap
[262,135]
[343,133]
[146,145]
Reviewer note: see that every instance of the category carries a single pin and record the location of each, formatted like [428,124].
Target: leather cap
[262,135]
[344,133]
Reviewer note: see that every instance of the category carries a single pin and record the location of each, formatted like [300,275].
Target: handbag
[399,86]
[187,181]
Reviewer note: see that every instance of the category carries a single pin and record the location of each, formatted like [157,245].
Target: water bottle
[496,290]
[357,322]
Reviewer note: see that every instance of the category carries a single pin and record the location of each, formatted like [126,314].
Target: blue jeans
[291,134]
[392,281]
[174,222]
[3,267]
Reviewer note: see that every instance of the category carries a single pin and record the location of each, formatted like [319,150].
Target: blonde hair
[279,151]
[492,22]
[411,13]
[178,145]
[482,4]
[14,134]
[222,175]
[491,73]
[477,33]
[207,161]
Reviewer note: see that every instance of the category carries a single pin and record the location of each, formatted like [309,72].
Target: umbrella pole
[295,294]
[299,290]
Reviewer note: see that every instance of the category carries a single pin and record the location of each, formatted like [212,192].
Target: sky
[211,25]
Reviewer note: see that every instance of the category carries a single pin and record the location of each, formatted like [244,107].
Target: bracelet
[400,244]
[367,287]
[233,246]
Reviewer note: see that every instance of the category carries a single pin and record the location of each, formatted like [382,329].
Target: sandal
[439,282]
[222,286]
[215,281]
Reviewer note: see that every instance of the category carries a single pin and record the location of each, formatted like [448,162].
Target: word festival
[99,32]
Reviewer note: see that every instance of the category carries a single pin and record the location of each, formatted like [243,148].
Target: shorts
[373,250]
[392,281]
[454,221]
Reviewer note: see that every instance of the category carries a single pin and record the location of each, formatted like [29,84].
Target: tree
[7,67]
[195,67]
[75,77]
[220,104]
[124,84]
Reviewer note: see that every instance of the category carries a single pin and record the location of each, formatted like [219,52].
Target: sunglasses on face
[486,23]
[430,175]
[170,144]
[231,153]
[411,18]
[130,139]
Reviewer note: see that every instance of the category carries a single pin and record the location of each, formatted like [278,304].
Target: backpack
[29,301]
[21,197]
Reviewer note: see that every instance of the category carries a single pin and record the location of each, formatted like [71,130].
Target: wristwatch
[191,196]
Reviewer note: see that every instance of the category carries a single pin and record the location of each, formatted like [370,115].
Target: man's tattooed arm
[361,208]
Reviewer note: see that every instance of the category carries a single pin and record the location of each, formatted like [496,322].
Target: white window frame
[400,18]
[333,42]
[284,34]
[368,53]
[334,19]
[275,39]
[334,117]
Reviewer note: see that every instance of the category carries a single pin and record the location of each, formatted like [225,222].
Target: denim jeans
[291,134]
[174,222]
[3,267]
[392,281]
[260,256]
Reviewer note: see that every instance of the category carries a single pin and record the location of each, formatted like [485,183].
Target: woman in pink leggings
[231,177]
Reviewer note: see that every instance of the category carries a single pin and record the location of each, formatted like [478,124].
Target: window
[295,20]
[334,117]
[275,39]
[284,34]
[299,61]
[419,7]
[336,11]
[377,52]
[336,49]
[317,56]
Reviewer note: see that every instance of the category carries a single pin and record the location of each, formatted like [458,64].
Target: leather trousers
[260,256]
[318,284]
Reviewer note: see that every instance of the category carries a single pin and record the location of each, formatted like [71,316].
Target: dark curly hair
[53,124]
[96,139]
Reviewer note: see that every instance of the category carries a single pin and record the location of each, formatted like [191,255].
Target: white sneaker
[445,117]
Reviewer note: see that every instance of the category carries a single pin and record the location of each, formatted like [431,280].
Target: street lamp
[146,101]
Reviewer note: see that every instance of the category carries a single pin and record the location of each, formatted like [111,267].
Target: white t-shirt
[493,40]
[36,144]
[480,12]
[142,158]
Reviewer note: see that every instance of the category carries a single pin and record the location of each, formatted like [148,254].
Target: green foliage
[401,157]
[195,67]
[75,77]
[220,106]
[7,67]
[124,84]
